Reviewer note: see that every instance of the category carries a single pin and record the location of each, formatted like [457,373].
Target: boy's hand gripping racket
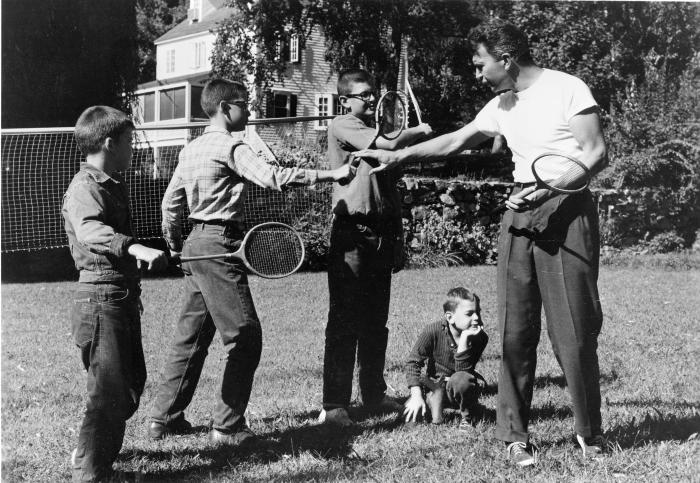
[270,250]
[390,119]
[560,173]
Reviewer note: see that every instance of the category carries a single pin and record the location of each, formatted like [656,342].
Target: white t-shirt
[536,120]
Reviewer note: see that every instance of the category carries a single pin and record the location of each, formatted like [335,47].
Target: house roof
[208,23]
[196,79]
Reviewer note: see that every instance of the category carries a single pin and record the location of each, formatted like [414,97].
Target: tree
[601,42]
[153,19]
[61,56]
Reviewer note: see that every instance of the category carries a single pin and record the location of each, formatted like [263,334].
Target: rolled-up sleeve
[85,211]
[172,207]
[248,165]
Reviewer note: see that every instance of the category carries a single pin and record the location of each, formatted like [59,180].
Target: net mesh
[38,165]
[274,251]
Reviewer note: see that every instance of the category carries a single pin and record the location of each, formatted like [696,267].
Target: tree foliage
[61,56]
[601,42]
[153,19]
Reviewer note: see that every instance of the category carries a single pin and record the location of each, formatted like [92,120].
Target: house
[183,66]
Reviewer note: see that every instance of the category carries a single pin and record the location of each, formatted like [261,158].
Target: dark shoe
[435,402]
[593,446]
[243,437]
[158,430]
[335,417]
[521,454]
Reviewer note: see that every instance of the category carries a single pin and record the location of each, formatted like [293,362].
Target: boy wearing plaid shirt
[451,347]
[210,181]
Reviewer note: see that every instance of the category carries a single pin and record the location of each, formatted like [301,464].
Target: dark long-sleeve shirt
[437,347]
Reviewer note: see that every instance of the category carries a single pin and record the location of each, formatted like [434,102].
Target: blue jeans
[361,259]
[106,326]
[216,297]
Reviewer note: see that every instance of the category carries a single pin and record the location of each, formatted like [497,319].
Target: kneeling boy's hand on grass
[414,406]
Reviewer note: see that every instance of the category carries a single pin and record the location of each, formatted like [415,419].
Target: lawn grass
[649,352]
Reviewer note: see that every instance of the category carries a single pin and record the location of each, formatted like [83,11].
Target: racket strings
[562,173]
[274,251]
[391,114]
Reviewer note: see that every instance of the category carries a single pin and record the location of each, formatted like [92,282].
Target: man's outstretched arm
[445,145]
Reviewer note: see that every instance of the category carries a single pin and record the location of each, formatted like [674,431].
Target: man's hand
[386,159]
[414,406]
[528,198]
[155,259]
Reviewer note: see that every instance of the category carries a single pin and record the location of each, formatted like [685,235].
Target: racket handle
[354,163]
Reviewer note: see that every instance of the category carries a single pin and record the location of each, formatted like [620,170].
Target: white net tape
[38,165]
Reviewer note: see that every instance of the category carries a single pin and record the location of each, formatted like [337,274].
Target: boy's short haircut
[458,294]
[98,123]
[217,90]
[352,76]
[500,37]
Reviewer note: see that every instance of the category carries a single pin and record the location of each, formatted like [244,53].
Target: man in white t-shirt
[549,243]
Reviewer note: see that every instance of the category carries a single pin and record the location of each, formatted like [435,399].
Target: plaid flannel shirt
[210,180]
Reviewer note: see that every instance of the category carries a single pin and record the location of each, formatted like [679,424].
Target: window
[195,105]
[326,105]
[148,104]
[170,61]
[200,54]
[281,104]
[172,104]
[294,48]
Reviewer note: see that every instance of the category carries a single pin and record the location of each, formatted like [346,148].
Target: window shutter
[293,105]
[269,104]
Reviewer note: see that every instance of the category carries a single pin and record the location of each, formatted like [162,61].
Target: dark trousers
[460,391]
[216,297]
[549,256]
[361,258]
[106,326]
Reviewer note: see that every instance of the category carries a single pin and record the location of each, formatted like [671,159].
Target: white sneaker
[336,417]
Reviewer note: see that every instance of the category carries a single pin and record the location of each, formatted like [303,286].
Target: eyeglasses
[363,96]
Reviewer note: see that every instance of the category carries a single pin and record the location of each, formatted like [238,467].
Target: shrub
[435,240]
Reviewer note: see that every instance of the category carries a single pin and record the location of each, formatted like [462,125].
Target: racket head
[560,173]
[272,250]
[390,115]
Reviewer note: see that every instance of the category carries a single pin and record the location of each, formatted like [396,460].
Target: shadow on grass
[322,441]
[560,381]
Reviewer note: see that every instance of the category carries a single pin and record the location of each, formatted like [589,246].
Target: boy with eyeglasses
[210,181]
[366,237]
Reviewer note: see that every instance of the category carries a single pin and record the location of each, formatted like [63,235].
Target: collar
[98,175]
[221,130]
[448,332]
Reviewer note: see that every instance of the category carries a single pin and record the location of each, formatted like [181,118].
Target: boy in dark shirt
[451,347]
[365,238]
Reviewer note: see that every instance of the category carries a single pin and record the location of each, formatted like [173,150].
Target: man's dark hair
[500,37]
[96,124]
[456,295]
[217,90]
[352,76]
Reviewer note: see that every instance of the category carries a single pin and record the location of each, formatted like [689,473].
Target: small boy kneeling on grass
[451,347]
